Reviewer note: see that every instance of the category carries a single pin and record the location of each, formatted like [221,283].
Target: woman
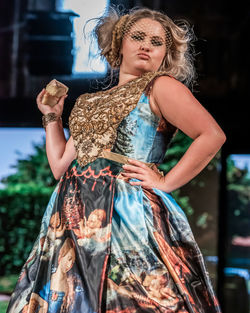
[151,262]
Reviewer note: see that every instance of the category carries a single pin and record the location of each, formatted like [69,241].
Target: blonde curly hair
[178,61]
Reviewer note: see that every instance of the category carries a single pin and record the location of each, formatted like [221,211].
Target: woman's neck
[124,76]
[123,79]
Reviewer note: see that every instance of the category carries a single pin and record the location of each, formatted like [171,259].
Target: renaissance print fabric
[107,246]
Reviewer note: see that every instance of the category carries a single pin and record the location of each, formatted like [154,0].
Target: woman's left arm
[179,107]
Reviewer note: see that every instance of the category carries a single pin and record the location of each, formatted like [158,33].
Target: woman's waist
[123,159]
[108,163]
[142,152]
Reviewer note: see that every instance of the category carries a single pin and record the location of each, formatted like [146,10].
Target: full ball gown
[105,245]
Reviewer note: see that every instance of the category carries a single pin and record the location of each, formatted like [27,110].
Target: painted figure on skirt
[112,238]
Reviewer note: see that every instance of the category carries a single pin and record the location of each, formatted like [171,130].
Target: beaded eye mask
[145,31]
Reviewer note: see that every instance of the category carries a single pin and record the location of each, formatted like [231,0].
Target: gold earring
[118,61]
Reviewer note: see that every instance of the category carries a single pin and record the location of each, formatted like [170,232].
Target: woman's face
[143,47]
[68,260]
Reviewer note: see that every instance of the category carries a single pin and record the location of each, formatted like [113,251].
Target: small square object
[54,91]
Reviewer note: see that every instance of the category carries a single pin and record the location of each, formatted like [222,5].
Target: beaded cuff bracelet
[50,117]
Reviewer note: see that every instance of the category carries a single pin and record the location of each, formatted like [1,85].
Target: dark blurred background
[37,44]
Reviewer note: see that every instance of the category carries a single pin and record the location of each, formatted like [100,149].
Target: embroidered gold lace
[95,116]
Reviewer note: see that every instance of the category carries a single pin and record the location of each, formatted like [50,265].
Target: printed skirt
[107,246]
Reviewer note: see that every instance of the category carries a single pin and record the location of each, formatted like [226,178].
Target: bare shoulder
[170,88]
[179,107]
[172,97]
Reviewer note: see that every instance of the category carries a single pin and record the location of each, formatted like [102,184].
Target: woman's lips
[143,56]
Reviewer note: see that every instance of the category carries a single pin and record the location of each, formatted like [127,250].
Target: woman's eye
[137,37]
[156,42]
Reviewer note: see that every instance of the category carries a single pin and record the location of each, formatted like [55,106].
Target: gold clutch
[54,91]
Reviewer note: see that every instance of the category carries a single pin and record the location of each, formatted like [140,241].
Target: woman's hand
[45,109]
[149,178]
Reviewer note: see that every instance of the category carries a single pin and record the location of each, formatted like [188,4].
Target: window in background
[237,267]
[86,53]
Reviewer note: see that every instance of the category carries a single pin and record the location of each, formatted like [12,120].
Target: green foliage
[178,147]
[183,201]
[7,283]
[33,169]
[3,306]
[22,203]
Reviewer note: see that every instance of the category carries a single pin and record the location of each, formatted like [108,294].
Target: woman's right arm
[60,152]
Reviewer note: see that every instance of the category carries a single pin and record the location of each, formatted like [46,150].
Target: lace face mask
[149,33]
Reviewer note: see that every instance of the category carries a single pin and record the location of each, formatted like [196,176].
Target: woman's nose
[144,46]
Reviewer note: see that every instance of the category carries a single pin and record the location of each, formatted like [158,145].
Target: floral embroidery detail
[95,116]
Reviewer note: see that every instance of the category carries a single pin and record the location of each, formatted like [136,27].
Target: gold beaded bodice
[95,116]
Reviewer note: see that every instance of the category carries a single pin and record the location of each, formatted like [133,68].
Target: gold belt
[120,158]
